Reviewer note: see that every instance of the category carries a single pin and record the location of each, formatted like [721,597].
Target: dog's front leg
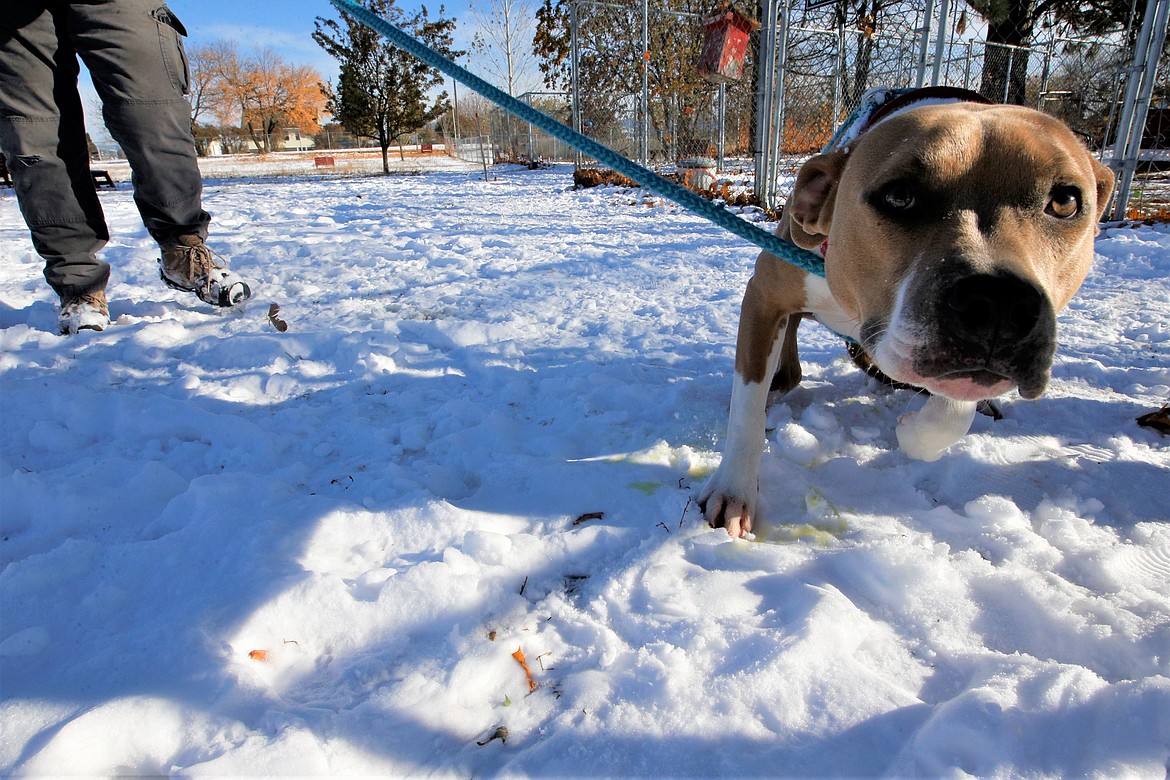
[730,496]
[925,434]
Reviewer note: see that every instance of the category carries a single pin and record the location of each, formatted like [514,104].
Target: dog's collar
[880,103]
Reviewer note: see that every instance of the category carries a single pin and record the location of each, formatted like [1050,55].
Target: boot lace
[96,299]
[200,261]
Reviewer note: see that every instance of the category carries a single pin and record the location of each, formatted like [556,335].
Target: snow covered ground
[230,550]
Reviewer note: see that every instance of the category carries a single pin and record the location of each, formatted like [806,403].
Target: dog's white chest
[820,301]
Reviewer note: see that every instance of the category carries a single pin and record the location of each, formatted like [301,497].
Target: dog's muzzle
[967,332]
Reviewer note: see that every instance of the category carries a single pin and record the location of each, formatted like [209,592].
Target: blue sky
[285,27]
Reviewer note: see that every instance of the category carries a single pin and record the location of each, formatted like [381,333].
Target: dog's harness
[880,103]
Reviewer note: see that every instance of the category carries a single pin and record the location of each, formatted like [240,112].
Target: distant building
[294,140]
[289,139]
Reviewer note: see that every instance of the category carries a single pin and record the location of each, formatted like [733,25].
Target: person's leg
[42,136]
[134,52]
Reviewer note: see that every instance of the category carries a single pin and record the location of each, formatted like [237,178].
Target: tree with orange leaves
[260,93]
[275,95]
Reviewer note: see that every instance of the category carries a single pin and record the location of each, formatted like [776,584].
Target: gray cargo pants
[134,52]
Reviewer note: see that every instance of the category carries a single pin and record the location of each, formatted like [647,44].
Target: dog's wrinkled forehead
[995,152]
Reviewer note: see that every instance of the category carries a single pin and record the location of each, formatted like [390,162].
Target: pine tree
[382,92]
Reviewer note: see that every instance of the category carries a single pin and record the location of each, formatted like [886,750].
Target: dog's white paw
[728,506]
[927,433]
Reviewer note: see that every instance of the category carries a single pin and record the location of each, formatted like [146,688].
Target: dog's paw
[724,509]
[927,433]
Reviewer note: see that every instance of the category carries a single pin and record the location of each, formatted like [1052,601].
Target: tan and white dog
[953,231]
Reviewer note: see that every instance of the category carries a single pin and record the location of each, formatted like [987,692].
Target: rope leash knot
[660,185]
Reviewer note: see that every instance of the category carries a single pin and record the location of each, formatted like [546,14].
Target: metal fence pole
[644,129]
[1044,75]
[924,43]
[839,76]
[721,121]
[1007,80]
[574,65]
[776,146]
[1138,90]
[764,75]
[531,146]
[940,43]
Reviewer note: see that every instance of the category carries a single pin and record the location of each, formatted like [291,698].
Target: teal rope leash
[801,258]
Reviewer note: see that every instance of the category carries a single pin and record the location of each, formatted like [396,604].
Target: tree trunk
[861,68]
[1005,70]
[258,139]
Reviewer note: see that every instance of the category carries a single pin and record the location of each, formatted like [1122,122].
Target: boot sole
[225,299]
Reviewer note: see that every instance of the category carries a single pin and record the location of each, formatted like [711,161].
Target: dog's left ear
[1105,180]
[810,207]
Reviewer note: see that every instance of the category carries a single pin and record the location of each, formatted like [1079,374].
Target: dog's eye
[1063,203]
[898,197]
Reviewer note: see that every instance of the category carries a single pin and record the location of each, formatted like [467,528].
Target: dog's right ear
[809,212]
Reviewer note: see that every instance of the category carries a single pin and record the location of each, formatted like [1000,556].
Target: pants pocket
[170,36]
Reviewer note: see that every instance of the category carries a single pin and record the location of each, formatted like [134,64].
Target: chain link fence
[478,149]
[654,83]
[646,88]
[519,142]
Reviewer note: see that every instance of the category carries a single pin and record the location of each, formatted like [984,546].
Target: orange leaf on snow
[520,659]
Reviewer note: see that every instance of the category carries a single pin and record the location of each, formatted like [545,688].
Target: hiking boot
[188,265]
[83,312]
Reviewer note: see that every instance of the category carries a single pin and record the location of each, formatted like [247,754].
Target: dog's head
[955,233]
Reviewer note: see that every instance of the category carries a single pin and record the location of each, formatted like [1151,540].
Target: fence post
[721,114]
[940,43]
[575,56]
[763,64]
[1138,90]
[924,43]
[644,129]
[531,144]
[839,76]
[1044,74]
[1008,73]
[764,114]
[967,66]
[780,83]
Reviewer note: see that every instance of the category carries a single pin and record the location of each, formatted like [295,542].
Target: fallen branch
[1159,420]
[588,516]
[501,734]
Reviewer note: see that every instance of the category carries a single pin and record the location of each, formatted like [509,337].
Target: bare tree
[503,42]
[205,63]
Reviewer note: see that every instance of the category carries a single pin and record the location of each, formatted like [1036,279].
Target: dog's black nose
[1000,305]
